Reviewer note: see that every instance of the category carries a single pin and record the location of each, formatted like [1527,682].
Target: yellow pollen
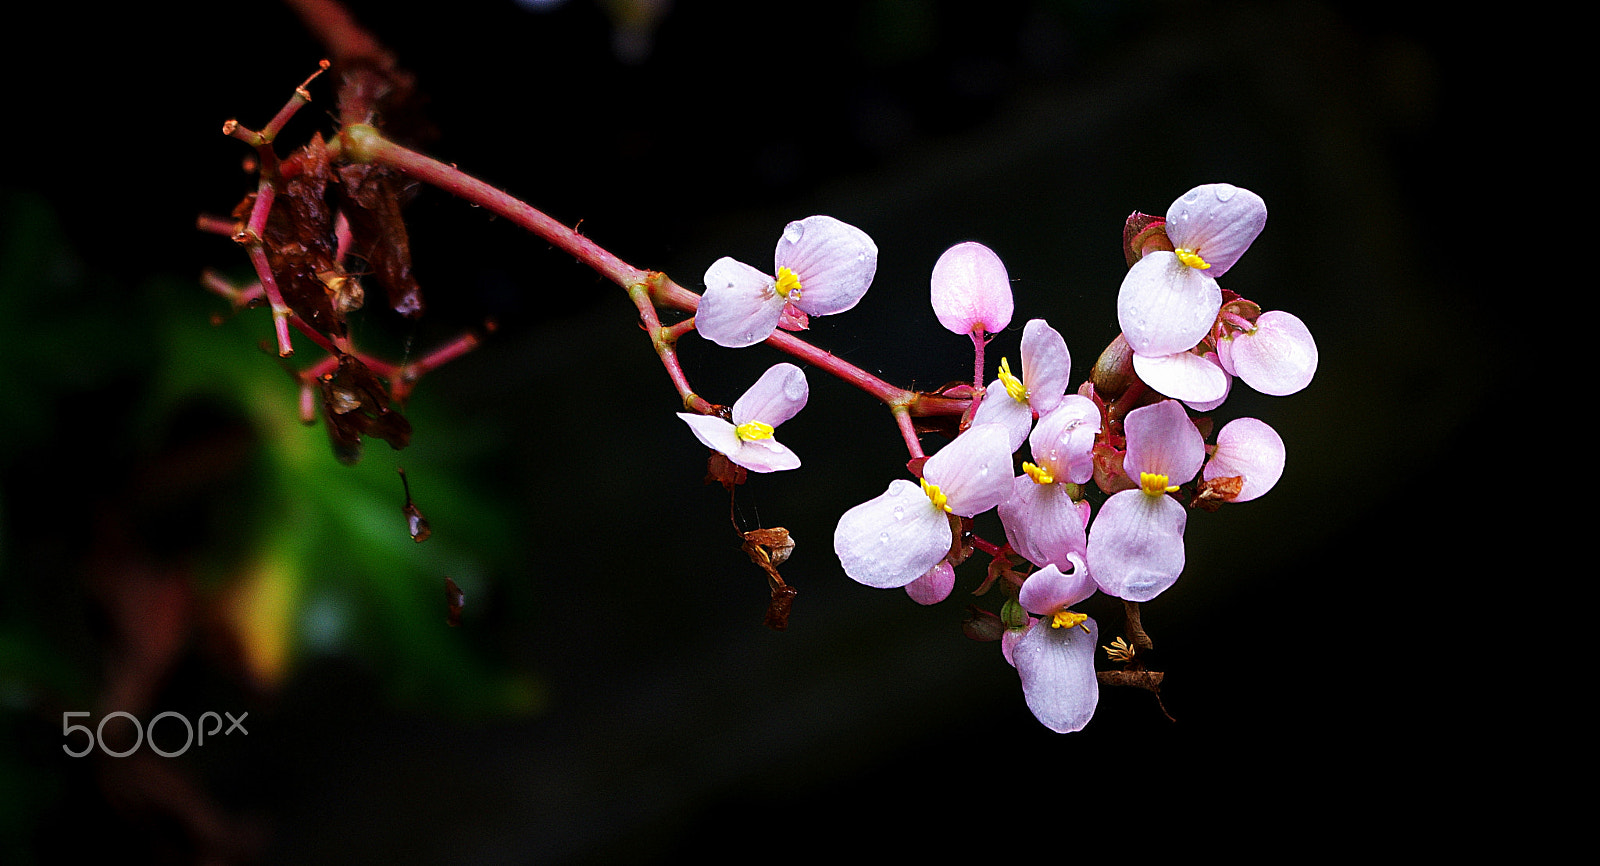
[750,430]
[788,284]
[1191,258]
[939,499]
[1155,485]
[1014,386]
[1068,619]
[1039,474]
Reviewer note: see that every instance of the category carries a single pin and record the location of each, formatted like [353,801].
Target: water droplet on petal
[884,538]
[1225,191]
[894,490]
[793,232]
[899,512]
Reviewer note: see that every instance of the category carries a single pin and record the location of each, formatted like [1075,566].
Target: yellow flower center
[1191,258]
[934,495]
[750,430]
[1155,485]
[1039,475]
[788,284]
[1068,619]
[1014,386]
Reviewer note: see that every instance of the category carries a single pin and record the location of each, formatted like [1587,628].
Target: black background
[1321,656]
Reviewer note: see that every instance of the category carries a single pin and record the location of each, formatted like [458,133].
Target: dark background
[623,701]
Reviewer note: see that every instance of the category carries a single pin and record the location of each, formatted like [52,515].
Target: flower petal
[1162,440]
[834,260]
[974,471]
[1249,448]
[1057,670]
[713,432]
[1046,365]
[1184,376]
[1049,589]
[765,455]
[1136,545]
[971,290]
[1042,523]
[1063,441]
[933,586]
[891,540]
[1279,357]
[774,398]
[998,407]
[1164,306]
[1218,221]
[740,307]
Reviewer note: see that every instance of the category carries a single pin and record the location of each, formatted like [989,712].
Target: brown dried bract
[355,404]
[370,197]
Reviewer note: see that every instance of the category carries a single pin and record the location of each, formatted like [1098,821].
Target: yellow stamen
[939,499]
[1038,474]
[1068,619]
[788,284]
[1191,258]
[1155,485]
[1014,386]
[751,430]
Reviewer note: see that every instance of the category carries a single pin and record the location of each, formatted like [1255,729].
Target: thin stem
[649,289]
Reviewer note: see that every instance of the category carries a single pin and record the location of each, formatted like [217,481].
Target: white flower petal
[891,540]
[835,262]
[713,432]
[1218,221]
[974,471]
[1249,448]
[740,306]
[1063,441]
[1136,545]
[774,398]
[1164,306]
[998,408]
[1279,358]
[1162,440]
[1184,376]
[1057,670]
[765,455]
[1046,365]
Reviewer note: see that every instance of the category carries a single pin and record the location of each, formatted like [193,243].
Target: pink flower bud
[971,290]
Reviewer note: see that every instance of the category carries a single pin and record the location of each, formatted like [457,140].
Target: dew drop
[884,538]
[793,232]
[1225,191]
[899,512]
[894,490]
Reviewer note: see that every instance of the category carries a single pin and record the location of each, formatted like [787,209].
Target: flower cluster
[1031,448]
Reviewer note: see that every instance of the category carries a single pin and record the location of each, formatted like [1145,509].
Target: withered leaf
[370,197]
[355,404]
[300,242]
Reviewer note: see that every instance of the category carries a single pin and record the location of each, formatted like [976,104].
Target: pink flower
[1248,448]
[747,441]
[971,290]
[1136,543]
[893,539]
[1046,371]
[1043,524]
[1169,300]
[824,266]
[1277,357]
[1055,658]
